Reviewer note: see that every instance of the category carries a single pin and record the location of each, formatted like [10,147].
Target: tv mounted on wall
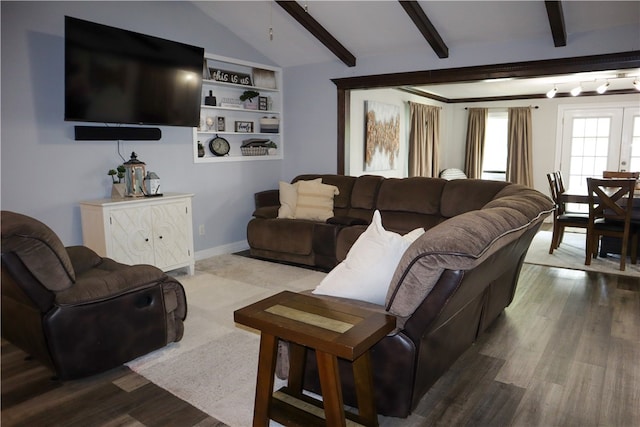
[119,76]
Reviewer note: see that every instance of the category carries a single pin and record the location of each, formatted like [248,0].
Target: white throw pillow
[366,272]
[289,198]
[315,200]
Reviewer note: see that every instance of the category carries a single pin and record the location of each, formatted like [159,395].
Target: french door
[599,139]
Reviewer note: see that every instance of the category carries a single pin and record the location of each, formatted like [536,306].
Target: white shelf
[237,86]
[222,90]
[240,110]
[213,133]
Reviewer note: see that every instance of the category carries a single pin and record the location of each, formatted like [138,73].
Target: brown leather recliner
[76,312]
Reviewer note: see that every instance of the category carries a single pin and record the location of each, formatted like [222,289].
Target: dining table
[580,195]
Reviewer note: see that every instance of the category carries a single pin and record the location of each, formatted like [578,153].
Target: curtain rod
[502,108]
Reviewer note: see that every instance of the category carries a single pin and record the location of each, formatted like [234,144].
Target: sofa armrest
[110,279]
[267,198]
[266,212]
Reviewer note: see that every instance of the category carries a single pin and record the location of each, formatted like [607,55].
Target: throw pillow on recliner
[315,200]
[366,272]
[289,198]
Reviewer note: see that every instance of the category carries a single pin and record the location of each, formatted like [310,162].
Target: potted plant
[272,148]
[117,186]
[248,98]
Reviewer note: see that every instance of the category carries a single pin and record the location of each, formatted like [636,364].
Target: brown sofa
[450,284]
[79,313]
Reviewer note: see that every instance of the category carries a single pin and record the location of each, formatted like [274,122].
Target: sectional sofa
[450,284]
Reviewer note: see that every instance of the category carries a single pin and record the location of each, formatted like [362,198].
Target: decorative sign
[244,127]
[230,77]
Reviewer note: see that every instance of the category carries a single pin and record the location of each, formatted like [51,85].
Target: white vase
[118,190]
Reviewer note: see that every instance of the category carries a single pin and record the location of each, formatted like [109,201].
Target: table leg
[331,390]
[264,384]
[297,361]
[363,379]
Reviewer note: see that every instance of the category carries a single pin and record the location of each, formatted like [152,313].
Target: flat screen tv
[120,76]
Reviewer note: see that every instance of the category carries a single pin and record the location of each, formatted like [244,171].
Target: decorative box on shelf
[269,125]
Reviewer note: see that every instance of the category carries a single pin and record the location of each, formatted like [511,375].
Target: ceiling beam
[318,31]
[556,21]
[425,26]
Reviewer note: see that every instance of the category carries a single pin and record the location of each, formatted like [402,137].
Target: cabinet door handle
[160,237]
[146,240]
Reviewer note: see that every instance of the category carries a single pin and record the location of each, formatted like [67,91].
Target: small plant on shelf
[248,95]
[117,172]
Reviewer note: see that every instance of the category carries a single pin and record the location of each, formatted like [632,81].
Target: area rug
[214,366]
[571,254]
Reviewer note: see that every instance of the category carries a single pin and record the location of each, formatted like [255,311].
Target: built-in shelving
[226,92]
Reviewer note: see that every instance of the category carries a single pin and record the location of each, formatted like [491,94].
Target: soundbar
[101,133]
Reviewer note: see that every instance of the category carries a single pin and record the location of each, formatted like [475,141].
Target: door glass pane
[634,164]
[589,149]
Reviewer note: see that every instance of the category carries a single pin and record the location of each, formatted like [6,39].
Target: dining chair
[617,174]
[560,181]
[610,209]
[561,218]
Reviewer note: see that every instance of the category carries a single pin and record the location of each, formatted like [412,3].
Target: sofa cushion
[416,195]
[366,272]
[365,191]
[465,195]
[315,200]
[292,236]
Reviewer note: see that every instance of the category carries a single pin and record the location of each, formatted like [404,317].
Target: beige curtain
[476,127]
[519,158]
[424,140]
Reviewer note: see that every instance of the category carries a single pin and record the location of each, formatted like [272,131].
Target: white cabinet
[156,231]
[225,82]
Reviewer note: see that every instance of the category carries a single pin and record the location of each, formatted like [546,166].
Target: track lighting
[576,90]
[636,84]
[603,87]
[552,92]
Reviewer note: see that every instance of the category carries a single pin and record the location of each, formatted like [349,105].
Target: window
[494,161]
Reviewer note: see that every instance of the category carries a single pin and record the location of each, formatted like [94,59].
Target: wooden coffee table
[334,330]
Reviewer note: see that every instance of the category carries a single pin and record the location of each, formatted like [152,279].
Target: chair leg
[623,252]
[589,249]
[554,237]
[634,248]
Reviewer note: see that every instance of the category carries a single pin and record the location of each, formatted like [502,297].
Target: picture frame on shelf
[220,124]
[243,126]
[262,103]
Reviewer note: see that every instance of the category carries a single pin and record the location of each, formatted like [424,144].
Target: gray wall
[45,173]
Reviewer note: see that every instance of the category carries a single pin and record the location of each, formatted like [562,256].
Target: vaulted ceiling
[293,33]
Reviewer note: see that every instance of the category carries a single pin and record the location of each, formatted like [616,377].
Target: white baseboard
[221,250]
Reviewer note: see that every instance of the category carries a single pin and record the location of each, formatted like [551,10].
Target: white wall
[45,172]
[354,160]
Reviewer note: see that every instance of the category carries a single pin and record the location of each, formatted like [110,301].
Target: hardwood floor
[120,397]
[566,352]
